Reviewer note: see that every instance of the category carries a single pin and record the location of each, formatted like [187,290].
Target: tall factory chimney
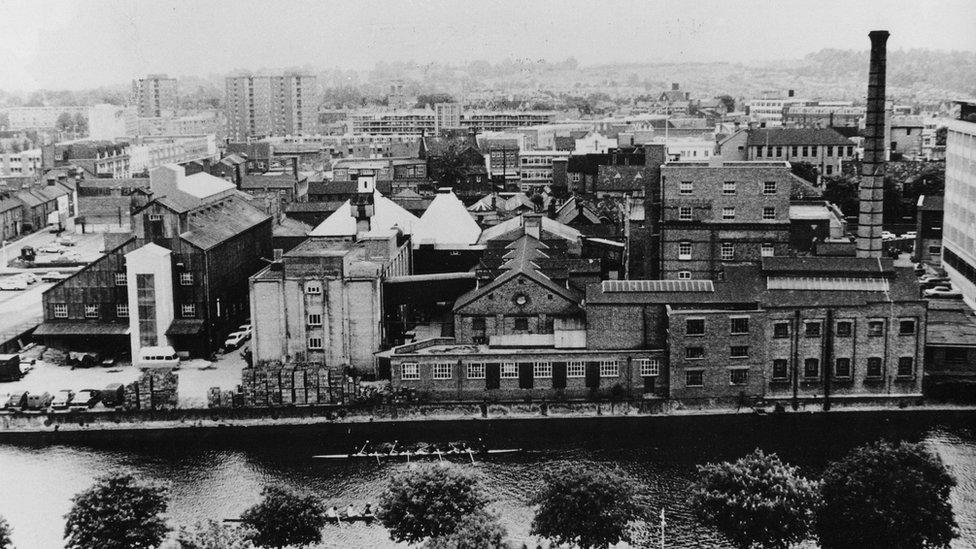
[871,192]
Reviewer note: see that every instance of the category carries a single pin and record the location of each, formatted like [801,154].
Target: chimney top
[879,34]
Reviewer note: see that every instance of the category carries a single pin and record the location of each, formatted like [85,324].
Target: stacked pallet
[132,396]
[52,355]
[298,384]
[213,397]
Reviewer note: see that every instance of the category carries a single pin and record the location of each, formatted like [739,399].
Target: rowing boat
[419,454]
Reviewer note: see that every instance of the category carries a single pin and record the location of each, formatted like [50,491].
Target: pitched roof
[291,227]
[387,214]
[446,223]
[343,188]
[8,204]
[573,208]
[259,182]
[621,178]
[216,223]
[512,229]
[796,136]
[814,266]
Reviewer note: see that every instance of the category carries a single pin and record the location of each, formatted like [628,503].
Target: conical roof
[386,215]
[446,223]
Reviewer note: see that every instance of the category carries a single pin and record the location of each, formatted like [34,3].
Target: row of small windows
[410,371]
[802,150]
[737,325]
[696,378]
[728,213]
[726,252]
[843,368]
[728,187]
[187,310]
[186,279]
[698,353]
[845,328]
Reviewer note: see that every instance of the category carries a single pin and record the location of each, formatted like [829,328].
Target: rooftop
[795,136]
[446,222]
[387,215]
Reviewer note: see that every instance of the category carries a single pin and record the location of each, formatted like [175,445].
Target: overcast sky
[62,44]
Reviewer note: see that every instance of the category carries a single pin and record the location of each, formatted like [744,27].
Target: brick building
[719,214]
[824,148]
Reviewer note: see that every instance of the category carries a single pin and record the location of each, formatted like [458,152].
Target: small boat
[342,517]
[422,452]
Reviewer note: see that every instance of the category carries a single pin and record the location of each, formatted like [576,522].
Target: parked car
[29,278]
[910,234]
[53,276]
[67,241]
[931,281]
[62,399]
[235,340]
[17,401]
[943,292]
[41,401]
[113,395]
[50,249]
[13,283]
[887,235]
[246,329]
[85,399]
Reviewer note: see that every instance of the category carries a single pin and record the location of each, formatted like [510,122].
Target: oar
[439,455]
[392,448]
[363,449]
[470,454]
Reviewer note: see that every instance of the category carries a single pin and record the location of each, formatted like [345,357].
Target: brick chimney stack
[871,193]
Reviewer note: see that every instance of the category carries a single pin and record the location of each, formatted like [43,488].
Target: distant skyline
[61,44]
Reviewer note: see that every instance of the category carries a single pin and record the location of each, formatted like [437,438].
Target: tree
[887,495]
[212,535]
[5,532]
[429,501]
[64,122]
[80,123]
[585,506]
[479,530]
[425,99]
[117,512]
[756,501]
[728,102]
[284,517]
[450,168]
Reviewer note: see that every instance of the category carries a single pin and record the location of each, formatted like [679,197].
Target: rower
[332,513]
[351,511]
[368,510]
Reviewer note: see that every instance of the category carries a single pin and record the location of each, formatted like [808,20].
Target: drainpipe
[828,357]
[795,359]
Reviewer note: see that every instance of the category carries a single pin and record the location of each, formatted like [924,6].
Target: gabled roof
[386,215]
[521,261]
[813,266]
[519,200]
[260,182]
[487,203]
[796,136]
[515,228]
[216,223]
[446,223]
[574,208]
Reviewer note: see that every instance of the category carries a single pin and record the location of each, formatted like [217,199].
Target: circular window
[520,299]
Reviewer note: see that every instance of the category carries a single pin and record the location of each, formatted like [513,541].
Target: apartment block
[959,218]
[248,103]
[155,95]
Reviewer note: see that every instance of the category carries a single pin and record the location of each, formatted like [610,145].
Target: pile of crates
[276,384]
[156,389]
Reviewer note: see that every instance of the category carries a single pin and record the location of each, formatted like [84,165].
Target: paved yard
[196,377]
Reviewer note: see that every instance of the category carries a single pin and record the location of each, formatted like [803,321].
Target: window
[876,328]
[91,311]
[694,353]
[728,212]
[313,288]
[684,275]
[842,367]
[779,152]
[694,378]
[542,370]
[738,376]
[739,325]
[409,371]
[796,150]
[781,330]
[649,366]
[521,324]
[186,279]
[576,369]
[685,187]
[769,187]
[441,370]
[806,151]
[315,343]
[509,370]
[874,367]
[155,217]
[476,370]
[769,213]
[830,150]
[608,368]
[813,150]
[684,250]
[122,310]
[843,328]
[780,368]
[739,351]
[935,250]
[728,251]
[766,250]
[728,187]
[478,323]
[315,319]
[906,327]
[120,279]
[188,310]
[830,169]
[695,326]
[812,329]
[906,366]
[684,213]
[811,368]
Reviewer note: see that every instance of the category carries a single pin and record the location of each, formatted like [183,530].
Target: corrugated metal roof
[831,283]
[658,286]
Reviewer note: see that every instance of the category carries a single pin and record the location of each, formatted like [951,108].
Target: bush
[586,507]
[117,513]
[284,517]
[886,495]
[429,501]
[757,500]
[212,535]
[5,532]
[479,530]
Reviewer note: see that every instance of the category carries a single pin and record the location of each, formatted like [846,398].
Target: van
[39,401]
[158,357]
[113,395]
[17,401]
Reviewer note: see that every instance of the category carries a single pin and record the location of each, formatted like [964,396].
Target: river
[217,473]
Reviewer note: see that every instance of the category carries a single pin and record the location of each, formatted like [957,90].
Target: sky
[78,44]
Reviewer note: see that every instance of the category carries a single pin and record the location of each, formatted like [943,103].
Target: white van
[158,357]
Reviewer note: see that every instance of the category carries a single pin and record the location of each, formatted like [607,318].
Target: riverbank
[115,422]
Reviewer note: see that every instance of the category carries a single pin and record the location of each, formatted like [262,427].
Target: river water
[217,473]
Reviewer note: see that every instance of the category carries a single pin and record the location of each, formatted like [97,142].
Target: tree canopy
[479,530]
[886,495]
[213,535]
[117,513]
[429,500]
[756,500]
[585,506]
[284,517]
[5,532]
